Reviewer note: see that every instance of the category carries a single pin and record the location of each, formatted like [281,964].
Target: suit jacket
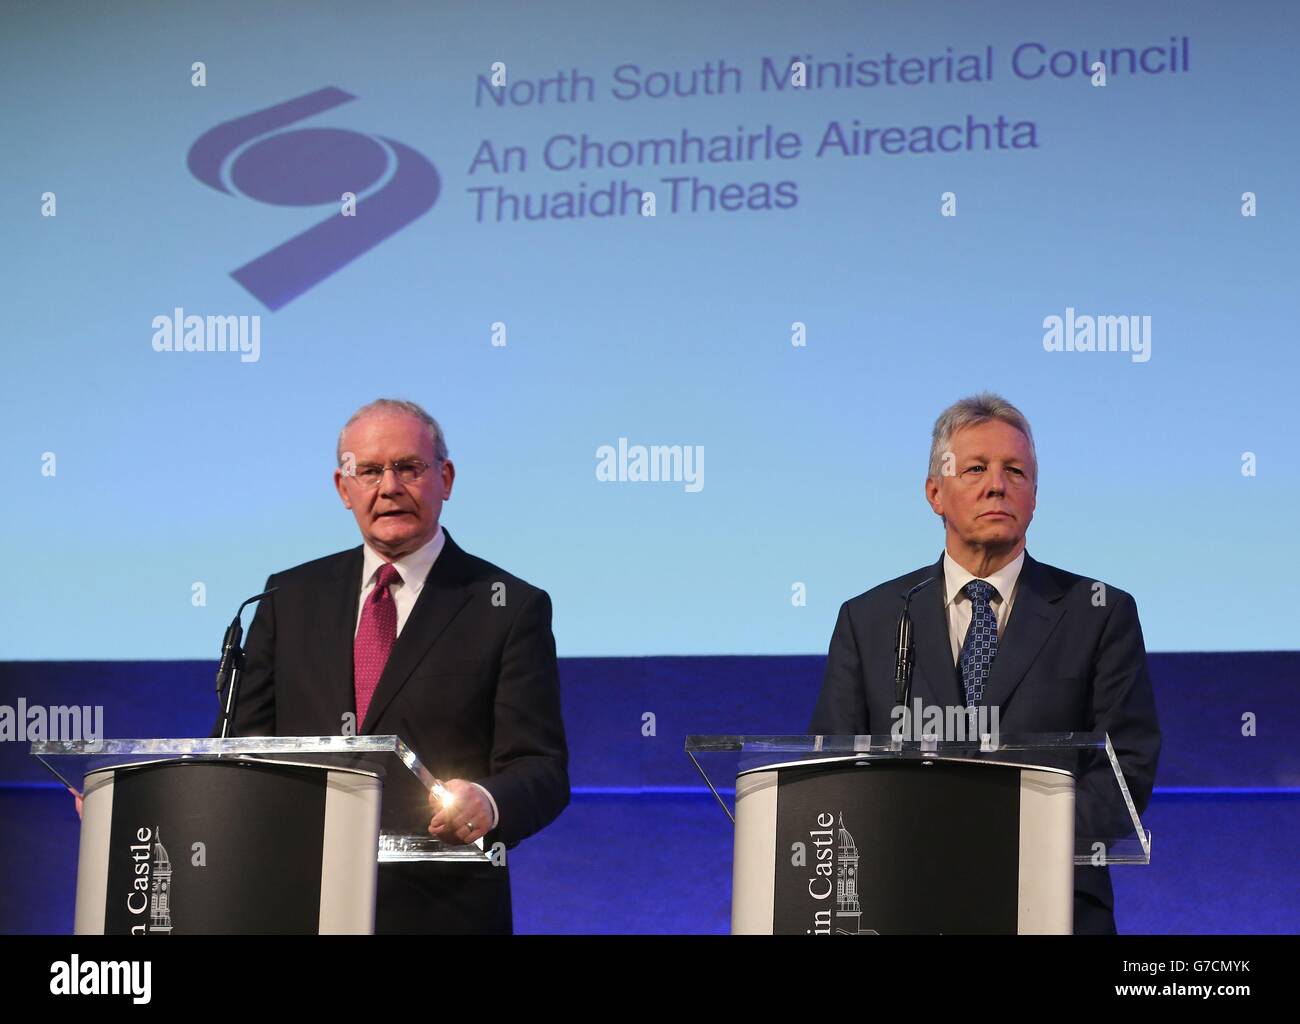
[471,685]
[1064,664]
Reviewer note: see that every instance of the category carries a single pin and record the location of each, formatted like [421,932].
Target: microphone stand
[232,666]
[903,649]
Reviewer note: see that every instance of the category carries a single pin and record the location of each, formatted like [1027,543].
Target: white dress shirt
[958,605]
[413,570]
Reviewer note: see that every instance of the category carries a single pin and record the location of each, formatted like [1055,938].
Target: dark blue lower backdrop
[644,847]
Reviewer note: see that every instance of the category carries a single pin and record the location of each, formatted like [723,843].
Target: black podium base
[227,846]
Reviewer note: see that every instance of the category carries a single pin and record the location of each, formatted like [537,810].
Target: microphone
[232,663]
[903,648]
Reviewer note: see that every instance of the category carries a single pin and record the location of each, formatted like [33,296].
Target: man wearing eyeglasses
[409,635]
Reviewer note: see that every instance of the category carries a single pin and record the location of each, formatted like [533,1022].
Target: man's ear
[339,486]
[932,495]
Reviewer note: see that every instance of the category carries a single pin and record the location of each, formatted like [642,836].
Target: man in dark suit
[1054,652]
[409,635]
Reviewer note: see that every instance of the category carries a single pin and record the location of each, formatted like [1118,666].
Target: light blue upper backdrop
[177,468]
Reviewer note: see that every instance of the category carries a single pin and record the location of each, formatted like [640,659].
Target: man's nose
[390,484]
[995,481]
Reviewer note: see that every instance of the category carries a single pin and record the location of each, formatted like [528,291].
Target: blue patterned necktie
[981,644]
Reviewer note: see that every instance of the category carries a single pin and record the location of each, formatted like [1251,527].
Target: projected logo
[256,157]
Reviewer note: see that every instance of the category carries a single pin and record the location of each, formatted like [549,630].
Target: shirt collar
[956,576]
[413,568]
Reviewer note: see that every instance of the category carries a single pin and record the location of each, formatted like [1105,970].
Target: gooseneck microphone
[232,665]
[903,648]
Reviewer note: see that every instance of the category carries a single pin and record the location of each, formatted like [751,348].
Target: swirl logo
[259,157]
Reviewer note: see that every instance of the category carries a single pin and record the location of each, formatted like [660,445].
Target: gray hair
[971,412]
[398,405]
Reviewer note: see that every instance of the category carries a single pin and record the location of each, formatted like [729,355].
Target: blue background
[644,847]
[183,468]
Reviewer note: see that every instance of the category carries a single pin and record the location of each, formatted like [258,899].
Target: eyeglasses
[368,474]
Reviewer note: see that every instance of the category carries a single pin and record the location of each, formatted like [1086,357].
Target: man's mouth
[395,512]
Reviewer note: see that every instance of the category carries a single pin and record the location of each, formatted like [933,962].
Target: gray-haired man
[407,634]
[1061,662]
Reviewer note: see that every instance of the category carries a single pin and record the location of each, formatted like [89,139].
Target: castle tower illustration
[846,874]
[848,909]
[160,910]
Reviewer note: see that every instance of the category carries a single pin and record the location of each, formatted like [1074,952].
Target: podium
[867,835]
[254,835]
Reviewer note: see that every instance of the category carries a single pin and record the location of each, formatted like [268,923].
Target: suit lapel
[1033,617]
[933,650]
[339,627]
[446,592]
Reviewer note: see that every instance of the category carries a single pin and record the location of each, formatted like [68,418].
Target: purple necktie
[375,637]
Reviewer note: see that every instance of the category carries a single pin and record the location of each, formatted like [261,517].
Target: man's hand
[462,815]
[76,796]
